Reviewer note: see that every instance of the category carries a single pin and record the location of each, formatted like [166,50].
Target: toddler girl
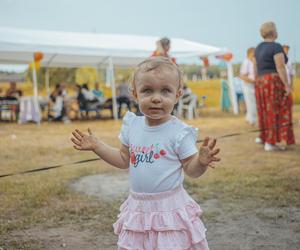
[157,148]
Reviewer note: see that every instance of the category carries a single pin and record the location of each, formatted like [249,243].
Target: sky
[233,24]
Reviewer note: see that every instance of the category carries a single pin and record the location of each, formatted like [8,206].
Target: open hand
[207,153]
[84,141]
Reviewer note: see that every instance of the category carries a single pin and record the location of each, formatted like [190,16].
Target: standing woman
[273,93]
[162,48]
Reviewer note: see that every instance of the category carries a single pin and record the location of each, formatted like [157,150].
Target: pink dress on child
[158,214]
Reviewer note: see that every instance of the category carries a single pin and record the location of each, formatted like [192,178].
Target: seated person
[98,93]
[186,99]
[80,97]
[92,101]
[56,104]
[123,97]
[187,94]
[88,101]
[12,93]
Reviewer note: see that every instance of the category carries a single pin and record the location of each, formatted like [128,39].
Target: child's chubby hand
[207,153]
[83,141]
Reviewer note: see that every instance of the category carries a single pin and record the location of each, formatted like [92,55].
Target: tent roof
[70,49]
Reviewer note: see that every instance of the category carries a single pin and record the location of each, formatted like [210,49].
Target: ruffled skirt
[160,221]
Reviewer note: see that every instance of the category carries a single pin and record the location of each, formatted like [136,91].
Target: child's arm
[116,157]
[195,165]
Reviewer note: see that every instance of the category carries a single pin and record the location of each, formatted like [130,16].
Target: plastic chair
[188,105]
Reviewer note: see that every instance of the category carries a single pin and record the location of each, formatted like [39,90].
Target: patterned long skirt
[274,110]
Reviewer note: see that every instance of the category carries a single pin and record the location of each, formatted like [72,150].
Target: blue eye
[147,91]
[166,91]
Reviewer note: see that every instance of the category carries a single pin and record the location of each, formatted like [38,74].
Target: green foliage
[87,75]
[56,75]
[213,71]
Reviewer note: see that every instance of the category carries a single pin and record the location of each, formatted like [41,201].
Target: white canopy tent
[70,49]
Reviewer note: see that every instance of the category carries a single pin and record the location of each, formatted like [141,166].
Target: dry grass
[246,178]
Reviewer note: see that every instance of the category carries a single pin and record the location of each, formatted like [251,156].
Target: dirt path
[264,229]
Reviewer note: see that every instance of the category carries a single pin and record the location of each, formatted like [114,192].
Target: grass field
[248,181]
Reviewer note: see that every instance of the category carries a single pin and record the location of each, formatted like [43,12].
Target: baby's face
[157,92]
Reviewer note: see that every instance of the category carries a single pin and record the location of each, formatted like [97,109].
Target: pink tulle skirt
[160,221]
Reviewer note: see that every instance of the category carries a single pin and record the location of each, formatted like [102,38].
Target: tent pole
[113,88]
[47,80]
[231,87]
[98,73]
[107,76]
[35,94]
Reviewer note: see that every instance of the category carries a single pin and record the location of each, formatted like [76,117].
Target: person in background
[289,67]
[56,104]
[248,77]
[13,93]
[82,103]
[59,105]
[67,102]
[187,94]
[162,48]
[185,98]
[225,99]
[238,89]
[91,102]
[273,91]
[98,93]
[188,99]
[123,96]
[291,71]
[88,95]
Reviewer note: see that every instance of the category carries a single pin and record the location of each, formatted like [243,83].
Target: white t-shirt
[156,151]
[237,84]
[290,71]
[247,69]
[88,95]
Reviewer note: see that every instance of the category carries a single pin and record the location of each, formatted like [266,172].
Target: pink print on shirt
[144,154]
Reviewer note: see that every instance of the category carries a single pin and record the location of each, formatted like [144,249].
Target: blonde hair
[268,30]
[158,62]
[250,50]
[159,48]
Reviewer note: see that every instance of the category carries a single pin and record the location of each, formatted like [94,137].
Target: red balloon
[38,56]
[228,56]
[205,61]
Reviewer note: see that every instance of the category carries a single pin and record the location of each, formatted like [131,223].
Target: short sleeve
[277,48]
[124,133]
[185,144]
